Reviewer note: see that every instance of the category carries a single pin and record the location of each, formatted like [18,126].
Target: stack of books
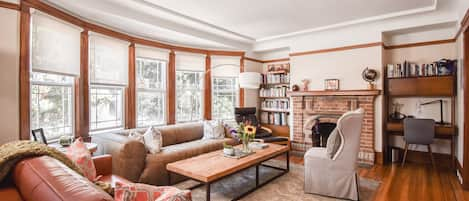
[275,118]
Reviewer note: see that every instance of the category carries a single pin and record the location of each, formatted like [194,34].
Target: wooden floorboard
[413,182]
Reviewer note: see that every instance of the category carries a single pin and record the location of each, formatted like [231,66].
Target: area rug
[286,187]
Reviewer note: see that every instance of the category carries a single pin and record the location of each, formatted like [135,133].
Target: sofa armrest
[103,164]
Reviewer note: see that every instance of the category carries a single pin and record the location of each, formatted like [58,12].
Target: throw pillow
[333,143]
[144,192]
[153,140]
[213,130]
[231,128]
[79,154]
[134,135]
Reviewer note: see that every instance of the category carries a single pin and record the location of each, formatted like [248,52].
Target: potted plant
[228,149]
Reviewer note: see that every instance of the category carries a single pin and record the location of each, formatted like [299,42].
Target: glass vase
[246,145]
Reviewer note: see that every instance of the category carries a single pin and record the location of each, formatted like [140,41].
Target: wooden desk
[447,132]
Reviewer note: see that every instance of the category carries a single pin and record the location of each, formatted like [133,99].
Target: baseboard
[442,160]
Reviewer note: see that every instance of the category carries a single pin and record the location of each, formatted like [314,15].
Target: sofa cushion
[47,179]
[155,172]
[180,133]
[130,160]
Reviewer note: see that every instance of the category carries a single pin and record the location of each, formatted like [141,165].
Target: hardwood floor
[413,182]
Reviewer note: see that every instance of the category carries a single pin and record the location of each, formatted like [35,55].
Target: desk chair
[421,132]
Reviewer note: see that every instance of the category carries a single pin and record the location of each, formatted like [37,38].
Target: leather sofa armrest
[103,164]
[267,129]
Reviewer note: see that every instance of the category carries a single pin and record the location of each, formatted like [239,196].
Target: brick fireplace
[308,103]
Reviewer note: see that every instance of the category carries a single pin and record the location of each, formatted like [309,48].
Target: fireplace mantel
[360,92]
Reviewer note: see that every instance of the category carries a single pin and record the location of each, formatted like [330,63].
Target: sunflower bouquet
[247,133]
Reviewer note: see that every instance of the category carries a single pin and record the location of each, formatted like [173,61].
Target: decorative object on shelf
[370,76]
[228,149]
[247,133]
[65,140]
[295,87]
[305,84]
[249,80]
[331,84]
[396,115]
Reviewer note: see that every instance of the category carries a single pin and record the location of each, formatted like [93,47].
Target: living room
[234,100]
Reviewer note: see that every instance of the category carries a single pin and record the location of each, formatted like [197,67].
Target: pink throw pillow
[79,154]
[144,192]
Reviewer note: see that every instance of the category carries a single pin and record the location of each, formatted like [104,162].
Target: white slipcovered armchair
[331,171]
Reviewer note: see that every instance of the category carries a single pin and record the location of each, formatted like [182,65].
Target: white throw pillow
[134,135]
[213,130]
[153,140]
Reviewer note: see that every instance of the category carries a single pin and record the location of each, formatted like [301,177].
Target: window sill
[105,131]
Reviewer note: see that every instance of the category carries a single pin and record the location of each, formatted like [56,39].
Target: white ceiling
[228,24]
[266,18]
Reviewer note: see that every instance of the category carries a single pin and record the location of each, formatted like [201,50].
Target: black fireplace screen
[321,132]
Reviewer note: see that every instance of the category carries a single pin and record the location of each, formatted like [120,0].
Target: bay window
[108,59]
[189,96]
[225,87]
[151,92]
[190,74]
[225,96]
[52,104]
[55,62]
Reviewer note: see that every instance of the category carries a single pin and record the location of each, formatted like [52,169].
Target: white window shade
[190,62]
[109,60]
[224,66]
[151,53]
[55,45]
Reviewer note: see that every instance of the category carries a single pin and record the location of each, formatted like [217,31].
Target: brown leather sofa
[132,161]
[47,179]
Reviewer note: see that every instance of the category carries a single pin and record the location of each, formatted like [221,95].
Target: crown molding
[353,22]
[8,5]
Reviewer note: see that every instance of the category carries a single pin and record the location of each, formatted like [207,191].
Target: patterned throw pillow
[153,140]
[144,192]
[213,130]
[79,154]
[231,130]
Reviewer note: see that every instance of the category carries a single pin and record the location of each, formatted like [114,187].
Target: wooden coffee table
[211,167]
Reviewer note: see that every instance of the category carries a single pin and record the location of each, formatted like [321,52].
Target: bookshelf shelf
[274,112]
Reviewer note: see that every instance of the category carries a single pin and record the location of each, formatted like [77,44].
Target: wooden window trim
[171,93]
[82,110]
[241,91]
[208,88]
[24,73]
[130,95]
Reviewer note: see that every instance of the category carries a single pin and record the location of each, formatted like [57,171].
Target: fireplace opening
[321,132]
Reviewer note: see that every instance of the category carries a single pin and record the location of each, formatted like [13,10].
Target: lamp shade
[249,80]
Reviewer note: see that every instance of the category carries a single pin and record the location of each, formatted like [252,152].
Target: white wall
[9,84]
[346,66]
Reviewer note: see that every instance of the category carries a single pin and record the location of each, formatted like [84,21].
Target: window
[109,65]
[52,104]
[55,61]
[151,92]
[106,107]
[224,97]
[189,90]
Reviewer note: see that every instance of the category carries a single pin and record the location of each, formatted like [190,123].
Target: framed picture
[38,135]
[331,84]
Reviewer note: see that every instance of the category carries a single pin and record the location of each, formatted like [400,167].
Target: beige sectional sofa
[132,161]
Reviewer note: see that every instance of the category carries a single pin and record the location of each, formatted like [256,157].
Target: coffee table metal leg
[288,161]
[207,191]
[257,175]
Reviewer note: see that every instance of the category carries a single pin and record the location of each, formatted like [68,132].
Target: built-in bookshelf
[275,105]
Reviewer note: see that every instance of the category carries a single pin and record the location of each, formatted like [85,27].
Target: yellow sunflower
[250,130]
